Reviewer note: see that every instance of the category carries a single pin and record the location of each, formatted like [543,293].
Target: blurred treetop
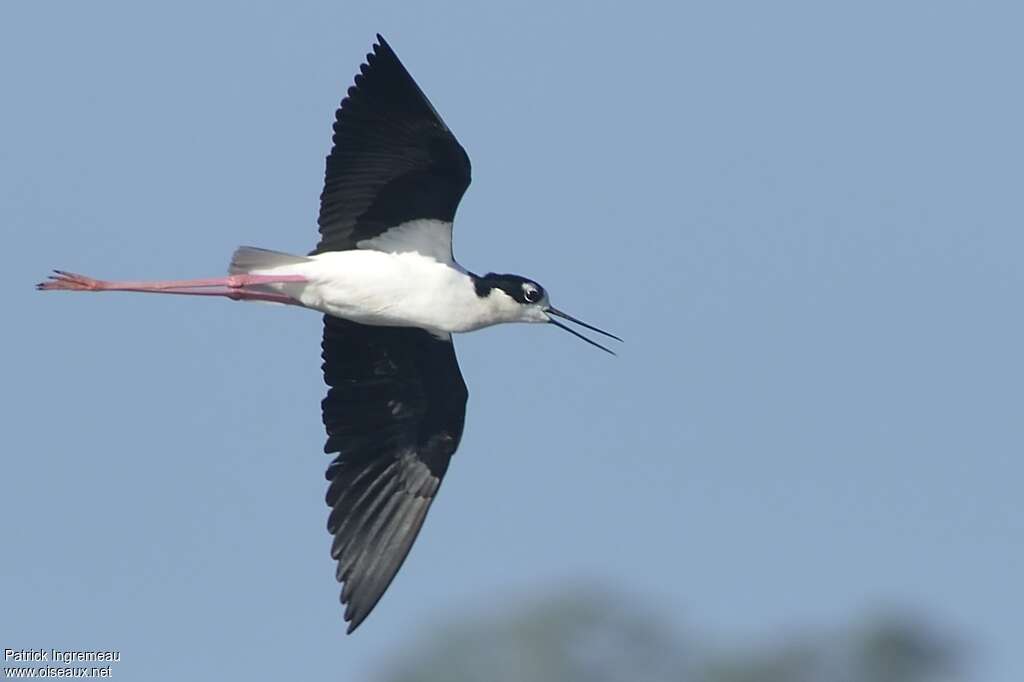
[587,636]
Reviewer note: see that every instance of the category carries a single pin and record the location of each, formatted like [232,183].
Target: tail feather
[249,259]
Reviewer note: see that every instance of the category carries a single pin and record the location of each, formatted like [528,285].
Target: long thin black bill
[580,336]
[565,316]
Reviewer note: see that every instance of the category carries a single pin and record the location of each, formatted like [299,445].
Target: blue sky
[805,219]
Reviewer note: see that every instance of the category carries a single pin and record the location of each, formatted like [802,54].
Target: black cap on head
[522,290]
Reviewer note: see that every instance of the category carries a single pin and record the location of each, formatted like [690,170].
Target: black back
[394,413]
[393,159]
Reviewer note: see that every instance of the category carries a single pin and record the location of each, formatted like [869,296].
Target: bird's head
[518,299]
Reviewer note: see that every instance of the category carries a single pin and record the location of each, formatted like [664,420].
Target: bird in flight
[392,295]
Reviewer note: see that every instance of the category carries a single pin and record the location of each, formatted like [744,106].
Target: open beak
[555,311]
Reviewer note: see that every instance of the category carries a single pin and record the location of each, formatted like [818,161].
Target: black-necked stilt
[393,294]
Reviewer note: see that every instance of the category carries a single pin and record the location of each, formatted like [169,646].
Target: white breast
[391,289]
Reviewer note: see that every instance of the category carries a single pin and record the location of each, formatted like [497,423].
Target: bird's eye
[531,294]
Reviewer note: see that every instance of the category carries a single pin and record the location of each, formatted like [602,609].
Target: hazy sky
[805,220]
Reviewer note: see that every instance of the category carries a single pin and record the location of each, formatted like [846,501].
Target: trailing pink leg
[70,281]
[232,287]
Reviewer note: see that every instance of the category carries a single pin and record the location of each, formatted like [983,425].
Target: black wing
[393,159]
[394,413]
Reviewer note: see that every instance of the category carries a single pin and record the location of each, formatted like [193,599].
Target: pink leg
[230,287]
[233,294]
[70,281]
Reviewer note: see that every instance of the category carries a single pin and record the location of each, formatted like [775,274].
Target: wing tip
[354,623]
[382,47]
[355,613]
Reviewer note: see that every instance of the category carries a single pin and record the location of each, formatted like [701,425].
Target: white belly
[386,289]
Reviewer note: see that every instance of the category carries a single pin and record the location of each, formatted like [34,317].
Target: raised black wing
[394,413]
[393,160]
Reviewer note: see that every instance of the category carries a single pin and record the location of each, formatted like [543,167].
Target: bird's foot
[70,281]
